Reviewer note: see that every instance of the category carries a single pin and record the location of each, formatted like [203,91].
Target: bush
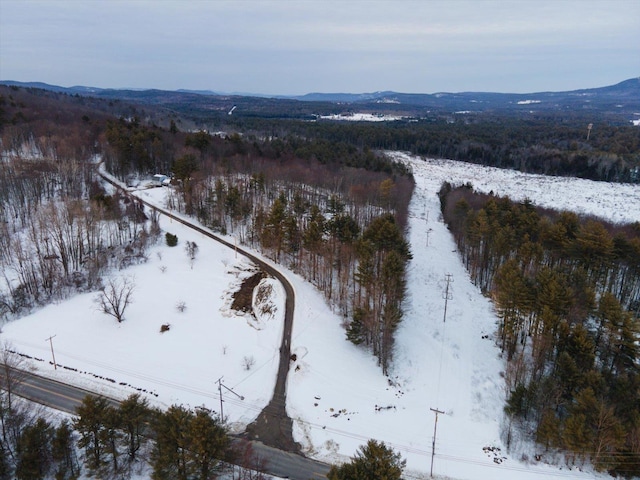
[171,239]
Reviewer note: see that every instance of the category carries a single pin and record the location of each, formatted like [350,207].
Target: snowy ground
[337,395]
[361,117]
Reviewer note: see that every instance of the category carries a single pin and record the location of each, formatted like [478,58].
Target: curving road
[273,426]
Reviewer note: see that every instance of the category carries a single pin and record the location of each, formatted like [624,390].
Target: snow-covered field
[337,395]
[361,117]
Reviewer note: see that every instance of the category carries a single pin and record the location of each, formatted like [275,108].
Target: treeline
[567,293]
[108,440]
[549,146]
[545,142]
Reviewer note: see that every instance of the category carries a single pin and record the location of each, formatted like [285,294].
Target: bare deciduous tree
[116,296]
[192,250]
[15,414]
[10,372]
[248,362]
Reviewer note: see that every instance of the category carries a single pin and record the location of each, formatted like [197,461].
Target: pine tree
[90,424]
[356,331]
[548,430]
[576,436]
[169,454]
[207,445]
[110,437]
[593,248]
[135,414]
[513,302]
[373,461]
[273,232]
[34,451]
[63,453]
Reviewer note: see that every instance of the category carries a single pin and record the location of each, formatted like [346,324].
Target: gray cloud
[283,46]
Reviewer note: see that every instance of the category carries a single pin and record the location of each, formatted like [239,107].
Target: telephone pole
[50,340]
[447,295]
[220,387]
[428,233]
[435,431]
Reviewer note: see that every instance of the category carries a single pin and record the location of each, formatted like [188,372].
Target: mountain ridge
[631,84]
[618,103]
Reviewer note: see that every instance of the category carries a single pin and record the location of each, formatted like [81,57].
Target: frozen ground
[337,395]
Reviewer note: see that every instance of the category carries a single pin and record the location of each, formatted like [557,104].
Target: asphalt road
[273,427]
[66,398]
[52,393]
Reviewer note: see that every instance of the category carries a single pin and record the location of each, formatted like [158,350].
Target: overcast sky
[302,46]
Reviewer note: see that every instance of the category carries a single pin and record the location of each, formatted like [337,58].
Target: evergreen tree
[512,295]
[135,414]
[64,453]
[90,425]
[548,431]
[273,234]
[110,437]
[184,167]
[373,461]
[169,454]
[356,331]
[188,445]
[208,444]
[34,458]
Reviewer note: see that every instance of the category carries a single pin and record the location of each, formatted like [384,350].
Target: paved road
[273,426]
[52,393]
[61,396]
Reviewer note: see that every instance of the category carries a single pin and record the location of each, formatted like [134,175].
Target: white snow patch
[361,117]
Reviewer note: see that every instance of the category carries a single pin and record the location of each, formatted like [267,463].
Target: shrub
[171,239]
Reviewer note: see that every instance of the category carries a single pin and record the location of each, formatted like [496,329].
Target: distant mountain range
[620,100]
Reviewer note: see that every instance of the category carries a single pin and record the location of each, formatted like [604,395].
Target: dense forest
[549,146]
[567,293]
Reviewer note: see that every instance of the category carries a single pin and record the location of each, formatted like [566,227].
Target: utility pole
[220,394]
[589,127]
[435,431]
[220,387]
[50,340]
[447,295]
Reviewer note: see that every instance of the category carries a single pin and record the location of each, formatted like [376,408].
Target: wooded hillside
[567,292]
